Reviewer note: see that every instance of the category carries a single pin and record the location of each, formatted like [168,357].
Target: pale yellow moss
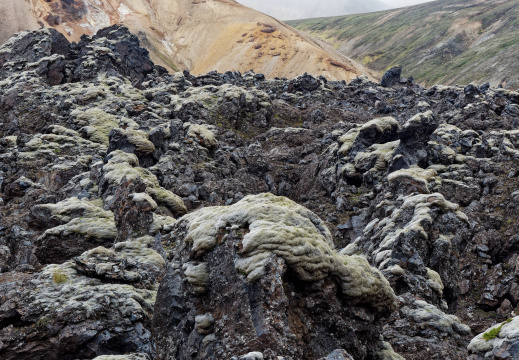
[381,125]
[139,138]
[140,250]
[123,357]
[435,281]
[382,152]
[423,206]
[96,123]
[59,141]
[91,228]
[226,92]
[203,132]
[144,200]
[119,156]
[161,223]
[88,296]
[36,143]
[347,141]
[116,169]
[279,226]
[416,176]
[81,217]
[429,315]
[419,119]
[196,273]
[122,165]
[166,197]
[80,160]
[68,209]
[11,140]
[387,352]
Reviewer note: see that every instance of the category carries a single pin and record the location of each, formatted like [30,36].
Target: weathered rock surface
[262,276]
[302,218]
[498,342]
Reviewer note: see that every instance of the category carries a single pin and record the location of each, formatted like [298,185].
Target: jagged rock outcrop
[96,303]
[392,77]
[107,167]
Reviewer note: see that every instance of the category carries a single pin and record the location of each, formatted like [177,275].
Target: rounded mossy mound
[278,226]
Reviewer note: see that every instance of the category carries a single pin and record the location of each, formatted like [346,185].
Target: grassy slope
[444,41]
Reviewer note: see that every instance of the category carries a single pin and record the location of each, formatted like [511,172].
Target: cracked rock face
[153,215]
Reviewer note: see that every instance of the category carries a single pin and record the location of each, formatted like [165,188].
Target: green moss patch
[493,333]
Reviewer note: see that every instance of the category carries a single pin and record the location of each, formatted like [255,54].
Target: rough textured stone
[273,253]
[101,152]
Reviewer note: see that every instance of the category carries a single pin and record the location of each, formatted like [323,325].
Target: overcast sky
[398,3]
[302,9]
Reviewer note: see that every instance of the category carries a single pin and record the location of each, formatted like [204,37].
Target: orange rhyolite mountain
[199,35]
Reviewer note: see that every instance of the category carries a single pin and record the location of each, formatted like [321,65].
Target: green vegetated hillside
[442,41]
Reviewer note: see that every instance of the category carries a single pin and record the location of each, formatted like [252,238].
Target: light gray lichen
[381,125]
[197,274]
[415,176]
[387,353]
[82,217]
[423,206]
[495,337]
[96,123]
[143,201]
[435,281]
[139,139]
[203,323]
[426,314]
[382,153]
[135,356]
[91,298]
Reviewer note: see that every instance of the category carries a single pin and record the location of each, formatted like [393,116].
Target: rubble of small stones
[148,215]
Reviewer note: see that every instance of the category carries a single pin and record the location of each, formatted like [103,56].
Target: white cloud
[301,9]
[400,3]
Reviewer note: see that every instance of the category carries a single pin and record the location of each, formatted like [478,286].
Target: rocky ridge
[234,216]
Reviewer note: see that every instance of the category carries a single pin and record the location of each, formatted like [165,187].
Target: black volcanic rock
[392,77]
[102,153]
[282,310]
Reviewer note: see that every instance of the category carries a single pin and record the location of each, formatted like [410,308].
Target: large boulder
[392,76]
[263,275]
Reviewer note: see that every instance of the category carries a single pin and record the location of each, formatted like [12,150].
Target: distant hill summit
[299,9]
[195,35]
[441,42]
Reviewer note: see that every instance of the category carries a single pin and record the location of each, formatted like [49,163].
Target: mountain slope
[442,41]
[191,34]
[299,9]
[16,16]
